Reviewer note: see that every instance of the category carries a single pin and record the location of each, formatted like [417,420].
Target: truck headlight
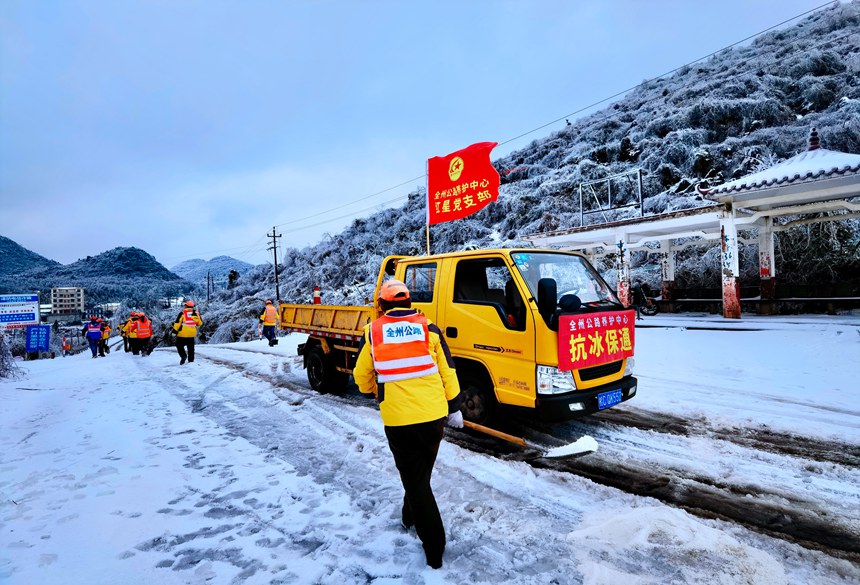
[628,369]
[551,380]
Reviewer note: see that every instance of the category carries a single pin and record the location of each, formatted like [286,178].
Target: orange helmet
[268,302]
[393,290]
[189,303]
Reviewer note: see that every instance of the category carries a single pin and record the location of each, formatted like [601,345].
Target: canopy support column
[767,268]
[729,266]
[622,264]
[667,265]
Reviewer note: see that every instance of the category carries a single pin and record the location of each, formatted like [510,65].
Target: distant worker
[93,332]
[103,338]
[131,332]
[124,334]
[143,334]
[404,361]
[186,325]
[270,319]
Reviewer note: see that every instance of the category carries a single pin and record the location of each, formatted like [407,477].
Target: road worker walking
[404,361]
[270,319]
[185,326]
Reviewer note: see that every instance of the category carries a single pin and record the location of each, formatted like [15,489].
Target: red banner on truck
[594,338]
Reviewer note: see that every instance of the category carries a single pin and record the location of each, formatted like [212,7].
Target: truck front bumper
[555,407]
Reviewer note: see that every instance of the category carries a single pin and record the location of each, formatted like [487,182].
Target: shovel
[581,446]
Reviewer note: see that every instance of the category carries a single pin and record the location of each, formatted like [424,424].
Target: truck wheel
[322,375]
[479,401]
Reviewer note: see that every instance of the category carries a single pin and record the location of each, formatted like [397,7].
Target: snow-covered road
[736,463]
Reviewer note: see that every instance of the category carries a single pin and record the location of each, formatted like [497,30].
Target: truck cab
[501,311]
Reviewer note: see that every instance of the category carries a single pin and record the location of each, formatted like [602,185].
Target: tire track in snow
[782,515]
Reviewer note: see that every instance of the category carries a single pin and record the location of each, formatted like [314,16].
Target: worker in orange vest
[103,339]
[270,319]
[141,334]
[93,333]
[185,326]
[131,332]
[404,361]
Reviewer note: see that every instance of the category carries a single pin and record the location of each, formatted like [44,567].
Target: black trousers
[181,344]
[415,448]
[270,334]
[139,345]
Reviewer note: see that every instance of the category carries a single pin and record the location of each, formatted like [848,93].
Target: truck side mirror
[547,293]
[391,266]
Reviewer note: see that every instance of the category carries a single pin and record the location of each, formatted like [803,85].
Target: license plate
[607,399]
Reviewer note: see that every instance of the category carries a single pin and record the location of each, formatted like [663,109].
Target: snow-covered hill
[724,117]
[218,268]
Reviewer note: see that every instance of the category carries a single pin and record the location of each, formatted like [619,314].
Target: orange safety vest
[401,348]
[270,315]
[188,318]
[144,328]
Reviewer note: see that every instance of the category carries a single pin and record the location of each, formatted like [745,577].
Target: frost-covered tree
[8,367]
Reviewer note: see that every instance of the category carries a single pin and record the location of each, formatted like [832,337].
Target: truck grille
[600,371]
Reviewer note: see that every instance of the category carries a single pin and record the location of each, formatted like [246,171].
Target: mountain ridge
[114,275]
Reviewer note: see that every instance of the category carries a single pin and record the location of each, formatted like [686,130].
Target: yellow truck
[535,330]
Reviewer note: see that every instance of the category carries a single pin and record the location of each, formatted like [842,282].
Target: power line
[352,202]
[675,70]
[274,248]
[574,113]
[352,214]
[252,247]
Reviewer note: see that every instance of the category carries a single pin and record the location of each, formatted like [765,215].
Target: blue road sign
[38,338]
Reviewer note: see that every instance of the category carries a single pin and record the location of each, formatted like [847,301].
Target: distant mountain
[219,267]
[120,274]
[130,262]
[15,258]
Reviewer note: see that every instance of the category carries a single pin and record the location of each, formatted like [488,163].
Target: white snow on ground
[130,470]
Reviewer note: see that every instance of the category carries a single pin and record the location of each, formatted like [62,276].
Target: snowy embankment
[231,470]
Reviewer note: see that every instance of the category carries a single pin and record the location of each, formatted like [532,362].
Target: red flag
[461,183]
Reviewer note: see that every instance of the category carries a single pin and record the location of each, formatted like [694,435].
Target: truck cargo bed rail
[327,320]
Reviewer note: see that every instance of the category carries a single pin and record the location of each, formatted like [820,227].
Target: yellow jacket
[416,400]
[186,324]
[122,327]
[106,332]
[131,329]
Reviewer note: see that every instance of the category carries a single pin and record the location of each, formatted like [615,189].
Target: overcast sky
[189,129]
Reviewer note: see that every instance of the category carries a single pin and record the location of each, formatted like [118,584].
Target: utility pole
[274,248]
[207,287]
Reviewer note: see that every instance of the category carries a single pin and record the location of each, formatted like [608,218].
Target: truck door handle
[451,332]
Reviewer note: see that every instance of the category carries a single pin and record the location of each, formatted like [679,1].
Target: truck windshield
[572,274]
